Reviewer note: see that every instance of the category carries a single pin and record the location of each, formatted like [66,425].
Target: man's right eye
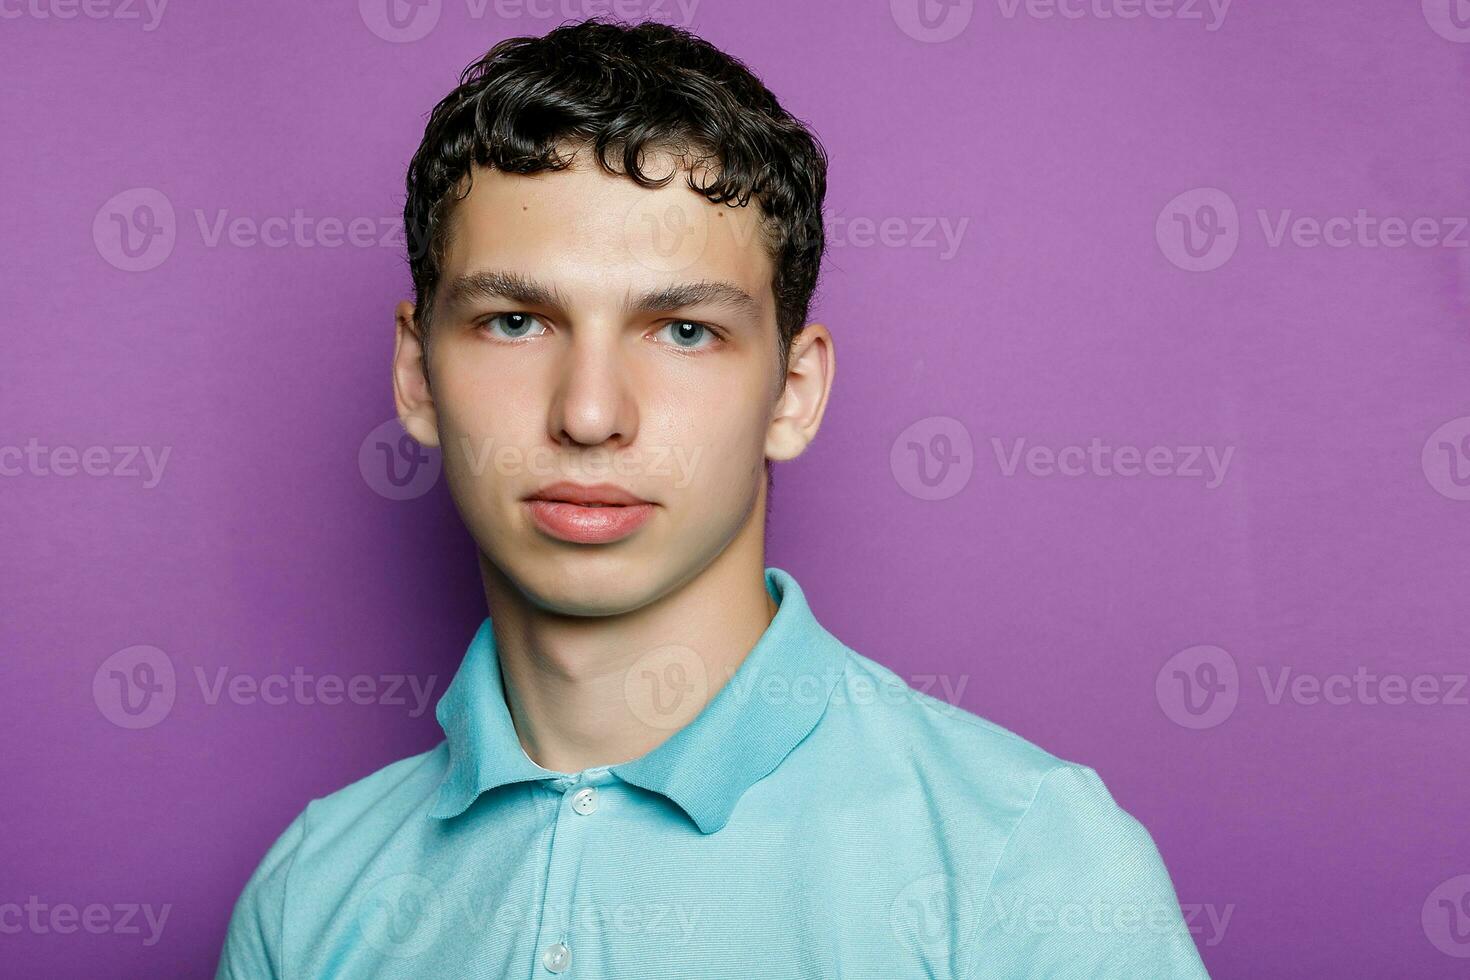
[512,325]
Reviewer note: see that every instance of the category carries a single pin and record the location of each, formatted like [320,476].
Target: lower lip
[588,525]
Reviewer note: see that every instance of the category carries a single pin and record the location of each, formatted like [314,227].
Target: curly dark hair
[623,90]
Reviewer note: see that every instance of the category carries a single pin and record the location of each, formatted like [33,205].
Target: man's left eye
[687,333]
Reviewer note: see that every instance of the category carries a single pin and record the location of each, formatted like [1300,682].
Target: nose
[594,402]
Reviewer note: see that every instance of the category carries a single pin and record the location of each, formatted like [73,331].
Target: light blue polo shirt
[819,818]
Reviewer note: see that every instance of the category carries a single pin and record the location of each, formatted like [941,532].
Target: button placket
[556,945]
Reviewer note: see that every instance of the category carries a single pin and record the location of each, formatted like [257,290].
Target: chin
[590,582]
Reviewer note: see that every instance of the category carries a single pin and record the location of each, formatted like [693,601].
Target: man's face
[590,330]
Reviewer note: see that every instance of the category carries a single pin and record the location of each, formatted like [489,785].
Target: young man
[657,762]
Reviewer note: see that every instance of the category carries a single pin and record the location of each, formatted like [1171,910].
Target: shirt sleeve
[253,943]
[1080,891]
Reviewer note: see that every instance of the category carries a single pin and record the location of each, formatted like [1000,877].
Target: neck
[566,678]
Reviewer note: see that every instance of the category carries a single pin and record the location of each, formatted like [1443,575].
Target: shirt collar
[772,702]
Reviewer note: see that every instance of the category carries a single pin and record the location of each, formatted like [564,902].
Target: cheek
[718,453]
[485,404]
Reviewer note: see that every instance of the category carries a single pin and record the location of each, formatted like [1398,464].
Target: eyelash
[485,324]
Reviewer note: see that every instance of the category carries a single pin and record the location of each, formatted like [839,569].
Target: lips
[598,514]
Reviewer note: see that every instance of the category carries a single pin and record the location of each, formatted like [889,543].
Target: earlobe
[411,395]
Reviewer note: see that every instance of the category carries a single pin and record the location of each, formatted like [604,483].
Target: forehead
[592,232]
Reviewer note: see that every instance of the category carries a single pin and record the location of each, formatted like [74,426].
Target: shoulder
[388,794]
[970,753]
[1032,848]
[339,830]
[1015,797]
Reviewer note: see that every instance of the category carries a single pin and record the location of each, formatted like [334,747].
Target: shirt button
[584,800]
[556,958]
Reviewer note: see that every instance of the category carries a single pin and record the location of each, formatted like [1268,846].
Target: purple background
[1051,604]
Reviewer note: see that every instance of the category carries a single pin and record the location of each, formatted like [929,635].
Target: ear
[809,375]
[411,395]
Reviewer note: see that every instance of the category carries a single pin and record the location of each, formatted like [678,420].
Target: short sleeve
[1081,891]
[253,943]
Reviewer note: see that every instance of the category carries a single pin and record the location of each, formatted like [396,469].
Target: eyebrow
[500,285]
[517,288]
[695,293]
